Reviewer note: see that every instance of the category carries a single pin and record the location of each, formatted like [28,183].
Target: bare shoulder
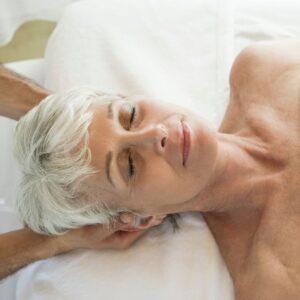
[265,90]
[265,61]
[267,73]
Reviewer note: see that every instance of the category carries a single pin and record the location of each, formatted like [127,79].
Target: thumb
[118,225]
[128,238]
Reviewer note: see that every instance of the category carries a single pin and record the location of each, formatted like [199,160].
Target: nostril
[163,141]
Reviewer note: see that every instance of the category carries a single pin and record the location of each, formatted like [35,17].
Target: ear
[136,223]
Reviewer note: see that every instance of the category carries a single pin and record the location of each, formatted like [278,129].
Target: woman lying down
[90,157]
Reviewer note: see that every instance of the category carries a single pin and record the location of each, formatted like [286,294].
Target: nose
[153,137]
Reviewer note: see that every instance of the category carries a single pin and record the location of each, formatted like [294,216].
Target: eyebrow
[110,113]
[109,155]
[108,160]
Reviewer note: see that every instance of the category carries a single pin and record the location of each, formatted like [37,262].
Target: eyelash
[131,167]
[132,116]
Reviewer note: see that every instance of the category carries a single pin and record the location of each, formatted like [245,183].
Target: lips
[186,142]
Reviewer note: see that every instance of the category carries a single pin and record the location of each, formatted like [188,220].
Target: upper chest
[261,249]
[270,114]
[268,111]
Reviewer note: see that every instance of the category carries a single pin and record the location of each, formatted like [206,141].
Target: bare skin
[18,94]
[258,234]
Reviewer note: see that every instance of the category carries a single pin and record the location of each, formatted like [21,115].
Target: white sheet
[172,50]
[258,20]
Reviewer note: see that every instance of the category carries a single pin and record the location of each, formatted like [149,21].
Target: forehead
[99,131]
[100,141]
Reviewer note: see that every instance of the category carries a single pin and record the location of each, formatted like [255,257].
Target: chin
[204,146]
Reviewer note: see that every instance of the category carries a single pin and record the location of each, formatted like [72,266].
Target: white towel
[179,51]
[161,266]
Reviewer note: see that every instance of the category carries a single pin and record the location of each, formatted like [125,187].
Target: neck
[240,170]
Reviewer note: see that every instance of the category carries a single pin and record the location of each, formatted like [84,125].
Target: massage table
[178,51]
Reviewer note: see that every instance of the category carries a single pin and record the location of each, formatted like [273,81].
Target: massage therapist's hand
[21,247]
[98,237]
[118,236]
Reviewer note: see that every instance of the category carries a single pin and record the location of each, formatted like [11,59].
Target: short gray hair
[51,145]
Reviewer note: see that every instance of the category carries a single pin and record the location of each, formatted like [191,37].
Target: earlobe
[138,223]
[127,218]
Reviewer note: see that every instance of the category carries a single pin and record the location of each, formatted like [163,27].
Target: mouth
[186,143]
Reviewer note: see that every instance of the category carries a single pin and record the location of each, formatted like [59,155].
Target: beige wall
[29,41]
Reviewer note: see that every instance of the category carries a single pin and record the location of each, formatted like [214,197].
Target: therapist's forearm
[18,94]
[22,247]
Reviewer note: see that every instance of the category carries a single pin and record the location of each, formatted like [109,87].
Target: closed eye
[131,166]
[132,116]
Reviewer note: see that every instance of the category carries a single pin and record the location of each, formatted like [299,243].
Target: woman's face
[136,146]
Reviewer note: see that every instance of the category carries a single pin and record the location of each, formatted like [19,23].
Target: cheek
[163,186]
[156,171]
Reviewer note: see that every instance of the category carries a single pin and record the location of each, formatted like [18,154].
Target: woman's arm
[18,94]
[22,247]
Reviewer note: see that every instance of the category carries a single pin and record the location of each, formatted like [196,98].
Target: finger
[126,239]
[134,235]
[116,226]
[122,239]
